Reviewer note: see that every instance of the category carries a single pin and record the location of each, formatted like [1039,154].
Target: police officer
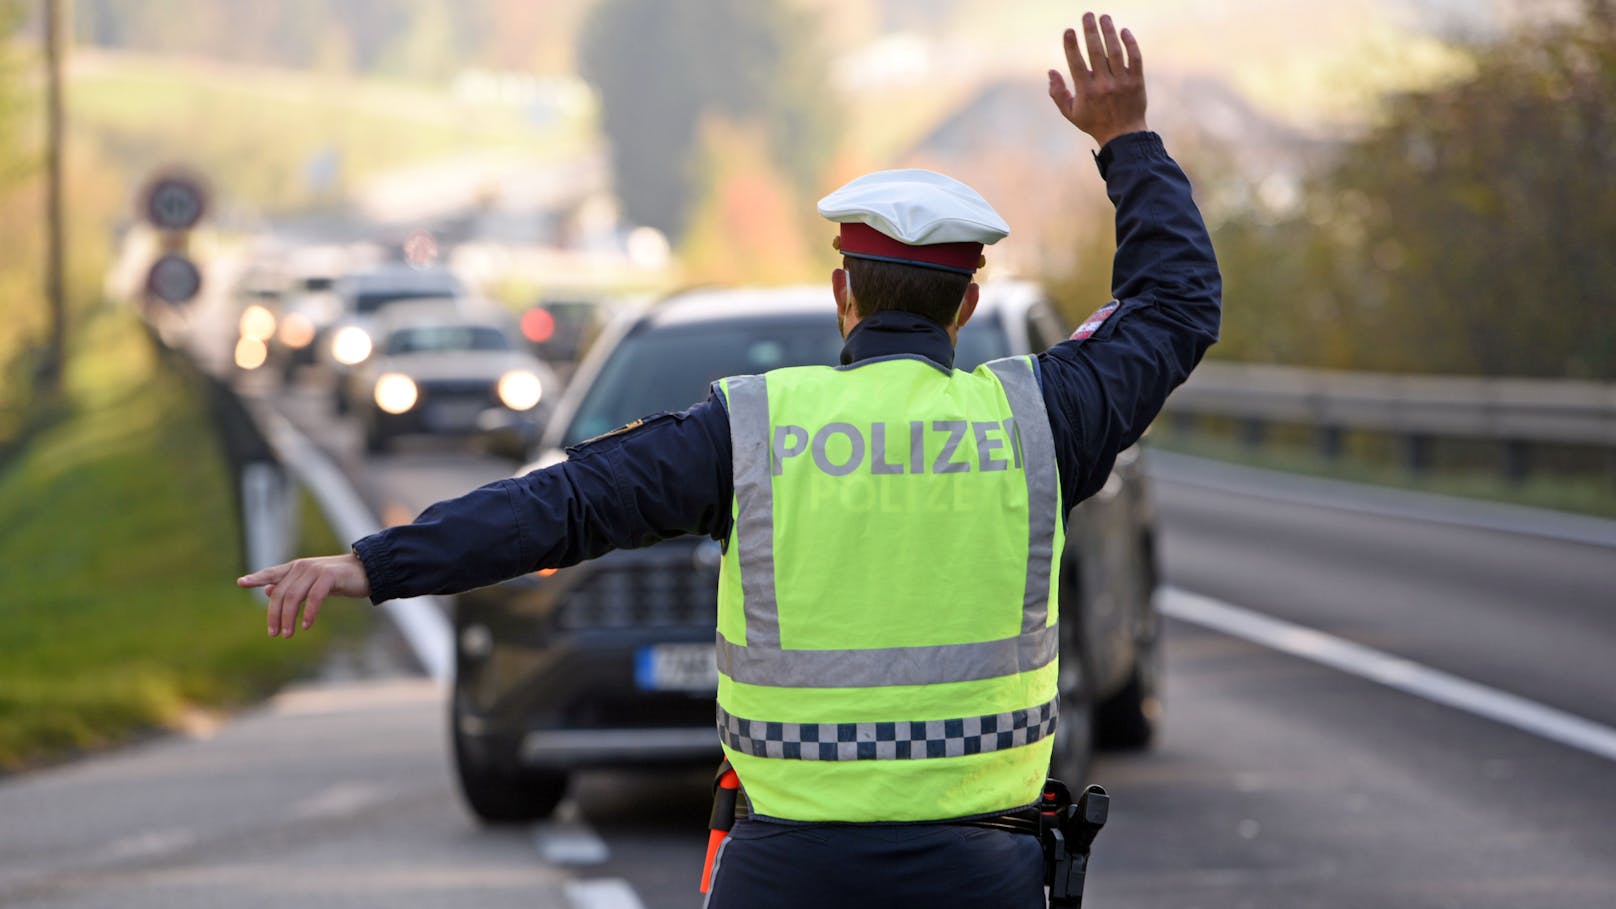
[889,672]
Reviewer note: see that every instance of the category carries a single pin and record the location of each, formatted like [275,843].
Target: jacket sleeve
[1106,383]
[665,477]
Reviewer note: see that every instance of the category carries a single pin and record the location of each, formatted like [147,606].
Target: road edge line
[1368,499]
[1394,672]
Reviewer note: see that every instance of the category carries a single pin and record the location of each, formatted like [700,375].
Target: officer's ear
[973,293]
[841,287]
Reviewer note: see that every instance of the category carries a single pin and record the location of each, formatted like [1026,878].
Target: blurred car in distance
[611,662]
[308,305]
[363,295]
[257,297]
[562,328]
[438,367]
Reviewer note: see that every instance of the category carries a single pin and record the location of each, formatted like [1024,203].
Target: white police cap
[914,216]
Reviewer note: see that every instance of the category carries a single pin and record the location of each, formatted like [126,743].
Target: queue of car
[611,662]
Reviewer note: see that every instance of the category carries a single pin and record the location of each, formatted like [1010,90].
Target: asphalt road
[1278,781]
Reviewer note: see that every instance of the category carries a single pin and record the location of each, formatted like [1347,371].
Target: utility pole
[50,370]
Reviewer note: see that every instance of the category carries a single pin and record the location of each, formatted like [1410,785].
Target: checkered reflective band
[904,739]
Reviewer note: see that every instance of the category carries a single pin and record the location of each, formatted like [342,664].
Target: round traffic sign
[173,279]
[175,202]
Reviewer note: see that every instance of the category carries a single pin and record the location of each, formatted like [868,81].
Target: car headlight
[395,392]
[350,345]
[297,330]
[520,389]
[257,322]
[250,353]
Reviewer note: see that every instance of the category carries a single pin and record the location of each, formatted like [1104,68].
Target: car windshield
[370,301]
[669,369]
[436,338]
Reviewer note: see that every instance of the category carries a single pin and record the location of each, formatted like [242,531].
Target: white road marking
[149,843]
[568,840]
[1380,501]
[340,800]
[1395,672]
[607,893]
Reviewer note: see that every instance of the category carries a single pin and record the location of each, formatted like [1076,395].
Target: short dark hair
[930,292]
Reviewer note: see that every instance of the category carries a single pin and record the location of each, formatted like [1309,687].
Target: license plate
[676,667]
[449,415]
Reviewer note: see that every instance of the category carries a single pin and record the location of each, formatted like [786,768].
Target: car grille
[641,710]
[642,596]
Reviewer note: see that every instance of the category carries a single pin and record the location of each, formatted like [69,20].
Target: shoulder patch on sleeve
[625,429]
[1092,323]
[613,435]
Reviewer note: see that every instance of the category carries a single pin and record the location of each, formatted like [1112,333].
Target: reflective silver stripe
[754,499]
[881,666]
[1037,448]
[898,740]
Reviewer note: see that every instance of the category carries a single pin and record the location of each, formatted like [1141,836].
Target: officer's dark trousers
[783,866]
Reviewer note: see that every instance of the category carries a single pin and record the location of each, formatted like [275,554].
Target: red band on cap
[864,240]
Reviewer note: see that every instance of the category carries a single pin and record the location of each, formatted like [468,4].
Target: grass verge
[120,547]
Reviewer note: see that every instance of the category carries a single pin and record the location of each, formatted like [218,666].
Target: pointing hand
[306,583]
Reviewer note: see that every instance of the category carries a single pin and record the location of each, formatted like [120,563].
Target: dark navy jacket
[671,476]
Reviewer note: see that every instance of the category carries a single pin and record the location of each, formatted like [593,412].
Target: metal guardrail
[1522,411]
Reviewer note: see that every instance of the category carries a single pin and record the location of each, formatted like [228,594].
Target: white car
[364,296]
[437,369]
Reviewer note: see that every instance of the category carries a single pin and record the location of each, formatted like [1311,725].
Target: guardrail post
[268,514]
[1517,460]
[1330,441]
[1253,432]
[1183,422]
[1417,453]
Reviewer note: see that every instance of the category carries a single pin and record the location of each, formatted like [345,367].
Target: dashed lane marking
[606,893]
[568,841]
[340,800]
[1395,672]
[151,843]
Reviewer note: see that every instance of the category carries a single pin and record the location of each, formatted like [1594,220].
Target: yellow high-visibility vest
[887,641]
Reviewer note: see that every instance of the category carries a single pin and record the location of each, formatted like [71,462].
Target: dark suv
[610,663]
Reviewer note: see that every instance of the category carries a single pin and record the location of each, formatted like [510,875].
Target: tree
[747,226]
[1466,233]
[11,77]
[660,67]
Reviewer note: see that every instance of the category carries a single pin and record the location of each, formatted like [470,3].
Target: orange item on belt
[722,819]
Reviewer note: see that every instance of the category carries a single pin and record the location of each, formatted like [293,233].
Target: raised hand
[1107,97]
[306,583]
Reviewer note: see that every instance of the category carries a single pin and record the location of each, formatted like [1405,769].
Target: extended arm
[667,477]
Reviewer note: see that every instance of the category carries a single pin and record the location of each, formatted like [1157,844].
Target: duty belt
[1064,828]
